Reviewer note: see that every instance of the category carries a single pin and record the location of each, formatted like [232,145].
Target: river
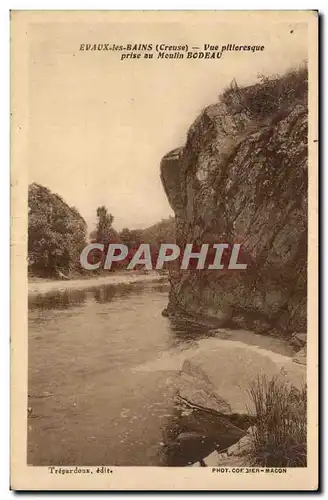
[97,394]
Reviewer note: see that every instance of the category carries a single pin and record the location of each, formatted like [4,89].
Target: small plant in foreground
[279,438]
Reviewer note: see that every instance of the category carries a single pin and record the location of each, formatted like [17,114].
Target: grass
[279,437]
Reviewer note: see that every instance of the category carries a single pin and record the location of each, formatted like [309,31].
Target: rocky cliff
[241,178]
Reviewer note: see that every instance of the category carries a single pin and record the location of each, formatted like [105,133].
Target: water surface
[102,369]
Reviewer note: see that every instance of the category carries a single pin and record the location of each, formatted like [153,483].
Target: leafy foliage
[131,237]
[104,230]
[273,93]
[56,232]
[161,232]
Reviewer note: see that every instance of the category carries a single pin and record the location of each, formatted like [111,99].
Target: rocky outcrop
[219,379]
[298,340]
[242,178]
[214,395]
[300,357]
[196,388]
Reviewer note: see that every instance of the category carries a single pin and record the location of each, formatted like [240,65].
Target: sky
[98,126]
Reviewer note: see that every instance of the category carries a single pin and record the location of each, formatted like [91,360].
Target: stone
[212,459]
[242,447]
[298,340]
[233,461]
[195,387]
[219,376]
[302,337]
[251,430]
[300,357]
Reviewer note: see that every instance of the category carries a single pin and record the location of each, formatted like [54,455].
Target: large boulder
[219,379]
[196,388]
[241,177]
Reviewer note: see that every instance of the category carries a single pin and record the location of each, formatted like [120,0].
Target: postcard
[164,258]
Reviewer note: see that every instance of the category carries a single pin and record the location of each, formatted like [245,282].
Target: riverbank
[46,286]
[118,367]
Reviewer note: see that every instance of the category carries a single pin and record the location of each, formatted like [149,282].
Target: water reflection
[91,390]
[188,333]
[101,294]
[105,294]
[57,300]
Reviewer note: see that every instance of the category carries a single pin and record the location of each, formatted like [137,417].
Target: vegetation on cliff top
[273,93]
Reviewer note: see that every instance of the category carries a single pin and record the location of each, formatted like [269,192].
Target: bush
[279,438]
[56,233]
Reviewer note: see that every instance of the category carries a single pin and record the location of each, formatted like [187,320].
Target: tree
[131,237]
[56,232]
[126,236]
[104,225]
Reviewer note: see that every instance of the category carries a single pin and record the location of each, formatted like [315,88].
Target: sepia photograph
[164,250]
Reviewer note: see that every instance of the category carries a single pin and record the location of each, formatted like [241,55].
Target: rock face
[196,388]
[242,178]
[300,357]
[299,340]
